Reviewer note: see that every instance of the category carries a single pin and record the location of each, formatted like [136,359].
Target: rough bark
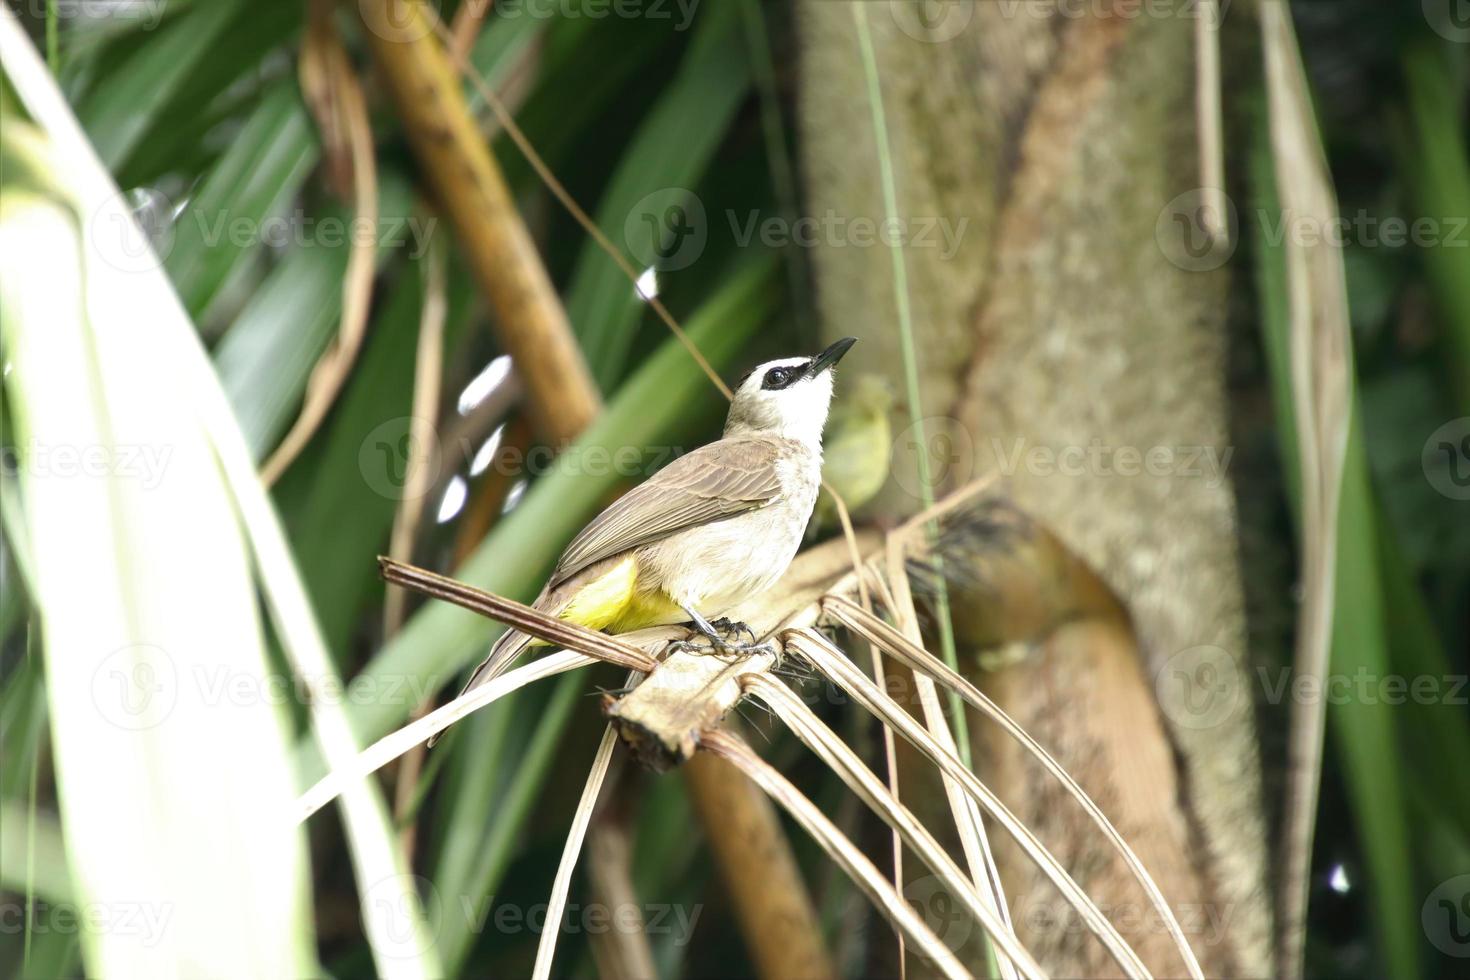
[1065,319]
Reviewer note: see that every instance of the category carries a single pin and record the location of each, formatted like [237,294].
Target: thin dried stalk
[966,816]
[529,318]
[833,664]
[557,903]
[890,752]
[843,851]
[331,371]
[1321,388]
[842,760]
[428,373]
[914,529]
[393,745]
[559,191]
[1209,119]
[864,624]
[469,19]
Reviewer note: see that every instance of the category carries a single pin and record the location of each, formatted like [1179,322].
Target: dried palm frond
[679,706]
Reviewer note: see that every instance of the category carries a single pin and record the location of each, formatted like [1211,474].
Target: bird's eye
[777,378]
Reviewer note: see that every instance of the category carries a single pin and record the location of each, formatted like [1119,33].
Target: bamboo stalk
[867,877]
[529,318]
[771,900]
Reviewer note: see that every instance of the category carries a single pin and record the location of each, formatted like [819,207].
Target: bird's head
[787,397]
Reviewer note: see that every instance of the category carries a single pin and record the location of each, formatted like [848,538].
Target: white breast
[713,567]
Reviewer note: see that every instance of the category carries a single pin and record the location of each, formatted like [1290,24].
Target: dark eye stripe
[783,377]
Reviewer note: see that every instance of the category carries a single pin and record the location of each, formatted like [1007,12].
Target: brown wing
[716,481]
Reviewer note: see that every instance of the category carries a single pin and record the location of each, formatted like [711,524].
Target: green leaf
[672,148]
[1363,731]
[119,112]
[105,359]
[225,221]
[267,355]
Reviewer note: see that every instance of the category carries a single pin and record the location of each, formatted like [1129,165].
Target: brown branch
[515,615]
[530,321]
[771,900]
[338,102]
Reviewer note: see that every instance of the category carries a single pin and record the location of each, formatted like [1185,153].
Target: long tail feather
[502,654]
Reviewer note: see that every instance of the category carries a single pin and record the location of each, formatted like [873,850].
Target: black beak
[830,356]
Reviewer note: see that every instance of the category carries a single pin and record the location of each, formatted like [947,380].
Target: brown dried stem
[530,321]
[867,877]
[771,900]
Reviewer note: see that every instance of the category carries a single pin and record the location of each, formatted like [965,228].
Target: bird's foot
[728,628]
[725,645]
[722,636]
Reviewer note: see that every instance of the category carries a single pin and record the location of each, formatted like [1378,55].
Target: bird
[718,525]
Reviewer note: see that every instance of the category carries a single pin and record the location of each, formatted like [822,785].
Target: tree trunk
[1073,345]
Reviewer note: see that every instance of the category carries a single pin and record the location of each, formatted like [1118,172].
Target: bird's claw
[727,628]
[706,645]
